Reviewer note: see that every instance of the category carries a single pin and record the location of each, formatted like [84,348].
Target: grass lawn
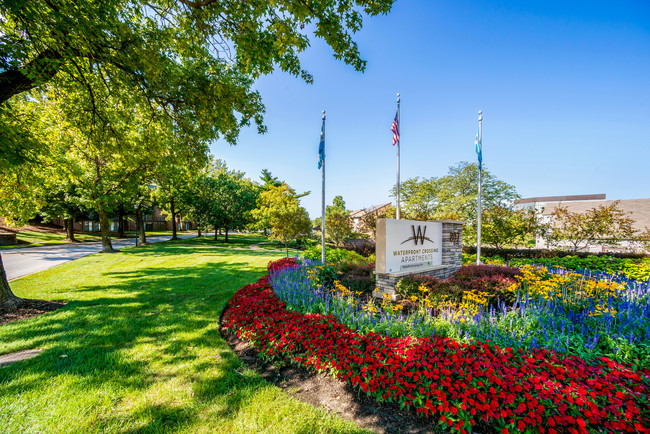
[137,348]
[274,245]
[34,239]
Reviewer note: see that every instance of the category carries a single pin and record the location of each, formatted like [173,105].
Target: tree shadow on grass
[148,323]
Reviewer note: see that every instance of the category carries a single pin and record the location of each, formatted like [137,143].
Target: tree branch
[18,80]
[197,4]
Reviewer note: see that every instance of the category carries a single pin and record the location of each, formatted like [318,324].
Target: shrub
[410,285]
[342,260]
[470,272]
[632,269]
[326,275]
[493,280]
[470,259]
[360,278]
[509,254]
[365,249]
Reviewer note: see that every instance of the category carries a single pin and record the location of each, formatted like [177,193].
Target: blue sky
[564,88]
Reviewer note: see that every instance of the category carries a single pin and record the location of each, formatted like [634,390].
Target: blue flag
[479,151]
[321,146]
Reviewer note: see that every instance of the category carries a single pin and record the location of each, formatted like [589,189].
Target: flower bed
[528,308]
[463,387]
[634,269]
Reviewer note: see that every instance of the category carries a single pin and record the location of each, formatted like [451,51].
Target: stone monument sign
[415,247]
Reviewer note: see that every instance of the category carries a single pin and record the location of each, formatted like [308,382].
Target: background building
[637,209]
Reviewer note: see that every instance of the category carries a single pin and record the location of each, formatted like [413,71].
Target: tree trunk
[69,229]
[226,231]
[120,223]
[107,246]
[198,230]
[141,232]
[215,233]
[174,236]
[8,300]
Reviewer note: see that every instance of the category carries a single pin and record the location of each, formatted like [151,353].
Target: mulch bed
[335,396]
[36,227]
[27,309]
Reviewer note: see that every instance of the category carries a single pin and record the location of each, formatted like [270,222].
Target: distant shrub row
[635,269]
[509,254]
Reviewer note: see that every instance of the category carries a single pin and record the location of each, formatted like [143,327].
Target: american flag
[395,129]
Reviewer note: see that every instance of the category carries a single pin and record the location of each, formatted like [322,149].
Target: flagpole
[322,222]
[480,169]
[398,143]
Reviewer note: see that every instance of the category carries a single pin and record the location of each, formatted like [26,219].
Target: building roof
[637,209]
[365,211]
[561,198]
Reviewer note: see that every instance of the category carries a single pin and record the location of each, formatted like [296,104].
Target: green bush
[636,269]
[335,256]
[359,278]
[509,254]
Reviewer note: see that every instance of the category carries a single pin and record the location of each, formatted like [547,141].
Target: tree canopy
[454,196]
[195,60]
[338,226]
[279,208]
[605,225]
[127,83]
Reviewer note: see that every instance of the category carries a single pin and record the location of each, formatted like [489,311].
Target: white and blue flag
[479,151]
[321,146]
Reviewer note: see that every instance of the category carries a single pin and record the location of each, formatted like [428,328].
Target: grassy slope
[138,349]
[34,239]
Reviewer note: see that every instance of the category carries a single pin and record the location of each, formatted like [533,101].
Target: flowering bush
[631,268]
[333,256]
[494,281]
[461,387]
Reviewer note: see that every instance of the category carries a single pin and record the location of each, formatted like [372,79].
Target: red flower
[539,388]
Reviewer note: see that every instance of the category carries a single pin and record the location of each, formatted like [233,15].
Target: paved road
[24,261]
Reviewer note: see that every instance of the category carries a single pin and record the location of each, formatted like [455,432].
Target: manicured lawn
[137,348]
[34,239]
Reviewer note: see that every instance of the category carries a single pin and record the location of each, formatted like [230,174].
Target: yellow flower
[414,298]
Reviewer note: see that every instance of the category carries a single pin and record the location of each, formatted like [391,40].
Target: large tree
[604,225]
[280,207]
[338,226]
[169,50]
[109,141]
[62,201]
[455,196]
[221,199]
[502,225]
[174,178]
[20,199]
[194,62]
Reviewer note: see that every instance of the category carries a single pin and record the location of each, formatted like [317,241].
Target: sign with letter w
[419,235]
